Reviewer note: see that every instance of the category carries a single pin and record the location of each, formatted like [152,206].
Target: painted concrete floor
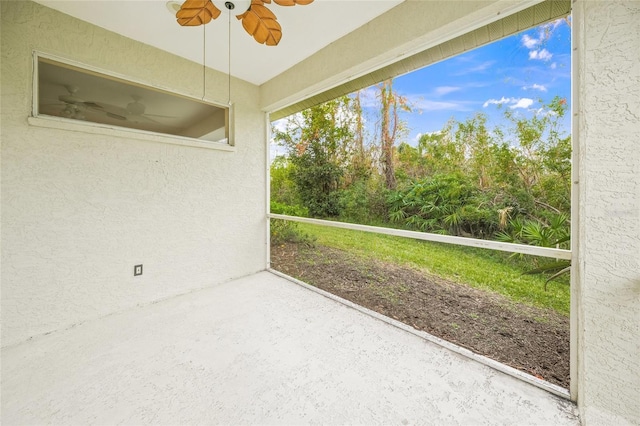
[258,350]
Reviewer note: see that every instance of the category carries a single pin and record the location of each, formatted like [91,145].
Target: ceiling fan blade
[262,24]
[93,105]
[112,111]
[142,118]
[159,116]
[116,116]
[196,12]
[292,2]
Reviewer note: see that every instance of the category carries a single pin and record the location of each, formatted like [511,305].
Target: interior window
[73,93]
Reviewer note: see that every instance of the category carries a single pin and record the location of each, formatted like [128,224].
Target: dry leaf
[292,2]
[197,12]
[262,24]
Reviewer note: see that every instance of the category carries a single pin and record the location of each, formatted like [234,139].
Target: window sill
[101,129]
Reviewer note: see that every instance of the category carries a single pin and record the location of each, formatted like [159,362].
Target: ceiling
[306,29]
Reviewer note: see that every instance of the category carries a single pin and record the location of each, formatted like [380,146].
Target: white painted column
[607,132]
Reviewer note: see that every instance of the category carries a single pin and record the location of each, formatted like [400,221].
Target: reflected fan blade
[159,116]
[196,12]
[115,111]
[292,2]
[262,24]
[142,119]
[116,116]
[93,105]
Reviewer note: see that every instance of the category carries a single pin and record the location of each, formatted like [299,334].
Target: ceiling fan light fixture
[136,107]
[71,98]
[173,7]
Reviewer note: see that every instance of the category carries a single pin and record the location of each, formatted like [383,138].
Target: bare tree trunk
[388,127]
[361,165]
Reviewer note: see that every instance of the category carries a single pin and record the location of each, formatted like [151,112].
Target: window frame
[38,119]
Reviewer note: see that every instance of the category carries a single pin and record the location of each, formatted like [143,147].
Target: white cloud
[551,26]
[543,55]
[418,102]
[554,66]
[345,115]
[513,103]
[444,90]
[276,150]
[369,97]
[539,87]
[544,33]
[483,66]
[280,125]
[530,42]
[543,112]
[478,68]
[522,103]
[501,101]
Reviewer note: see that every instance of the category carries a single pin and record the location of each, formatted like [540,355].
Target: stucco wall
[79,210]
[607,42]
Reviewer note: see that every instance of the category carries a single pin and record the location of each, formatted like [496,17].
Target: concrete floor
[258,350]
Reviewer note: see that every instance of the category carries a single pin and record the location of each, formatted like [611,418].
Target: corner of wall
[608,281]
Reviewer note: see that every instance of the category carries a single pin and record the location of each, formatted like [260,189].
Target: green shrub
[364,201]
[447,204]
[283,189]
[281,208]
[285,231]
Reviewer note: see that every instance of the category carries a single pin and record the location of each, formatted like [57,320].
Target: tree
[317,142]
[283,189]
[391,126]
[361,162]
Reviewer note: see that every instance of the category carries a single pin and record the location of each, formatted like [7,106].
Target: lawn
[480,268]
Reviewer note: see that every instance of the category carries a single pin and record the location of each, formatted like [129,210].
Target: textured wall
[80,209]
[607,37]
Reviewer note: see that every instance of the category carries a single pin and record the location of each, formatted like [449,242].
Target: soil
[530,339]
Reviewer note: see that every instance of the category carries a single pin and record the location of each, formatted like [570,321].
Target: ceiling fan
[75,107]
[134,111]
[257,19]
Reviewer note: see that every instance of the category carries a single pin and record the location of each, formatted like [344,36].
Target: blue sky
[522,72]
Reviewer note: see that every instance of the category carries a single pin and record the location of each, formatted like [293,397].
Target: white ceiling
[306,29]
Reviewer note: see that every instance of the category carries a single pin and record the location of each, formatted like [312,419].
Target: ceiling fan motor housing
[236,7]
[136,108]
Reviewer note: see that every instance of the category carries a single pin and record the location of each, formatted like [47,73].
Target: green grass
[480,268]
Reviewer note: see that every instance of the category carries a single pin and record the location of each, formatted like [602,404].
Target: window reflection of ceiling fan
[256,18]
[134,111]
[75,107]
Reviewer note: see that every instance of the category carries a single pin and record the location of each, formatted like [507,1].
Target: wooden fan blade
[262,24]
[292,2]
[197,12]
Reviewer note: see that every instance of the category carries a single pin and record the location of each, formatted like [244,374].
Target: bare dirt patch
[527,338]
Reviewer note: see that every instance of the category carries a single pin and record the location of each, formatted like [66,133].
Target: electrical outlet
[137,270]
